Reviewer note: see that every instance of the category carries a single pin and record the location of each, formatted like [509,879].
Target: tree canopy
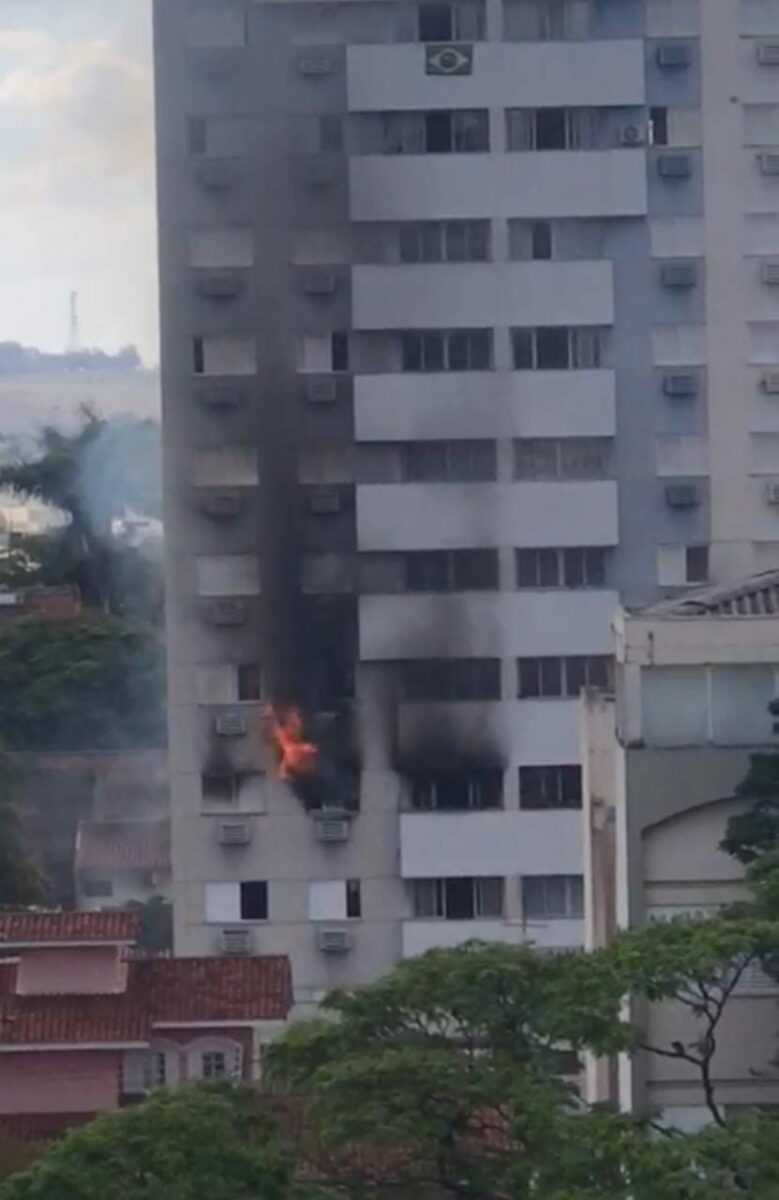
[20,881]
[92,682]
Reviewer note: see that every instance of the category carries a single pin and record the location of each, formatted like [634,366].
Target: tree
[92,476]
[92,682]
[201,1143]
[20,882]
[440,1076]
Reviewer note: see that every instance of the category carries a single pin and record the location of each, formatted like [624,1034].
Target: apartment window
[156,1070]
[546,20]
[444,241]
[353,898]
[451,571]
[466,461]
[696,564]
[556,348]
[459,899]
[442,680]
[213,1064]
[548,676]
[440,350]
[561,458]
[95,889]
[339,351]
[553,896]
[457,790]
[249,681]
[559,567]
[558,786]
[254,900]
[551,128]
[237,901]
[455,21]
[462,131]
[658,126]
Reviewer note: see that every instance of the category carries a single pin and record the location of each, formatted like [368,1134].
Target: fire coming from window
[297,758]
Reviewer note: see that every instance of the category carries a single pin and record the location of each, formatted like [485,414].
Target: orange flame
[296,756]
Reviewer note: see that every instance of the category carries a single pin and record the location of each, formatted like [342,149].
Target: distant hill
[16,359]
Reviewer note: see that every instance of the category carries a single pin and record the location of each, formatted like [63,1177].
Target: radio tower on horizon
[74,341]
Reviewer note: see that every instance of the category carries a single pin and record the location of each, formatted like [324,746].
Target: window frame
[550,568]
[583,348]
[561,453]
[449,569]
[259,896]
[448,892]
[431,351]
[449,680]
[545,674]
[483,786]
[550,788]
[572,907]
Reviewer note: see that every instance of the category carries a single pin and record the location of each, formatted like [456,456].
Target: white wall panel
[454,295]
[556,183]
[490,843]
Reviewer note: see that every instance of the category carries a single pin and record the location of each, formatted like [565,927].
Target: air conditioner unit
[315,62]
[682,495]
[333,941]
[235,941]
[332,829]
[324,501]
[318,283]
[772,493]
[680,383]
[234,833]
[770,382]
[222,505]
[226,612]
[678,274]
[230,724]
[217,175]
[674,166]
[317,172]
[632,135]
[768,163]
[673,54]
[321,391]
[219,286]
[222,396]
[769,271]
[767,53]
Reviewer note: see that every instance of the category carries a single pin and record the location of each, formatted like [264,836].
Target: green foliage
[17,1156]
[20,882]
[203,1143]
[752,833]
[94,682]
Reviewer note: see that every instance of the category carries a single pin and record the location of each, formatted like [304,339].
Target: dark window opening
[435,23]
[249,681]
[198,356]
[457,790]
[217,788]
[552,896]
[254,901]
[658,126]
[438,680]
[353,898]
[696,564]
[339,351]
[552,348]
[550,128]
[438,132]
[541,236]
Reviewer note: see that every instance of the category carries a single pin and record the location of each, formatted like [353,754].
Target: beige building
[663,758]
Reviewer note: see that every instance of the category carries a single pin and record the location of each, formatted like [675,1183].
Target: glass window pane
[552,350]
[549,568]
[584,458]
[478,241]
[542,240]
[595,566]
[740,696]
[575,675]
[533,896]
[411,352]
[424,461]
[480,350]
[550,129]
[470,131]
[435,22]
[475,570]
[427,572]
[522,343]
[459,899]
[535,458]
[432,352]
[489,897]
[674,706]
[430,239]
[551,676]
[426,898]
[573,565]
[598,671]
[527,568]
[410,244]
[528,678]
[456,241]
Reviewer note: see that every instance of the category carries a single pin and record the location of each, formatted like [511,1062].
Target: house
[86,1025]
[120,861]
[664,758]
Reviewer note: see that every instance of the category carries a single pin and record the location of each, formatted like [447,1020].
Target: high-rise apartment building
[470,327]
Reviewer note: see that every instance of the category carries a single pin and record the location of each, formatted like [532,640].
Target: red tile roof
[107,925]
[183,990]
[123,846]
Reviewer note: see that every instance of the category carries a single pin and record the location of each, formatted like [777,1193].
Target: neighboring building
[121,861]
[86,1027]
[61,603]
[454,355]
[663,759]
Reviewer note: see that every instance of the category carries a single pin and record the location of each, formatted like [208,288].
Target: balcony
[416,516]
[491,624]
[473,404]
[420,936]
[504,74]
[555,183]
[442,844]
[542,732]
[470,295]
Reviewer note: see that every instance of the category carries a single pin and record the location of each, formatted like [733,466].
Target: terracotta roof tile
[34,1020]
[123,846]
[107,925]
[216,989]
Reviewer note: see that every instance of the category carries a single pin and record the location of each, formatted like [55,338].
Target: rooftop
[755,596]
[123,846]
[42,926]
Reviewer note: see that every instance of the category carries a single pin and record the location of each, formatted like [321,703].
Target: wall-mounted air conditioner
[321,391]
[235,941]
[769,271]
[632,135]
[770,382]
[768,162]
[225,612]
[234,833]
[315,62]
[678,274]
[331,828]
[230,724]
[333,941]
[324,501]
[221,285]
[318,283]
[680,383]
[674,166]
[772,493]
[673,54]
[222,505]
[767,53]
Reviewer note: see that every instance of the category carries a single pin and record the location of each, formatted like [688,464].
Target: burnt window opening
[443,680]
[254,900]
[552,896]
[444,241]
[564,677]
[561,567]
[457,790]
[353,898]
[218,787]
[249,681]
[442,350]
[463,898]
[451,570]
[546,787]
[466,461]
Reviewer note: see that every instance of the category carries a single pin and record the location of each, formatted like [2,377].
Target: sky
[76,173]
